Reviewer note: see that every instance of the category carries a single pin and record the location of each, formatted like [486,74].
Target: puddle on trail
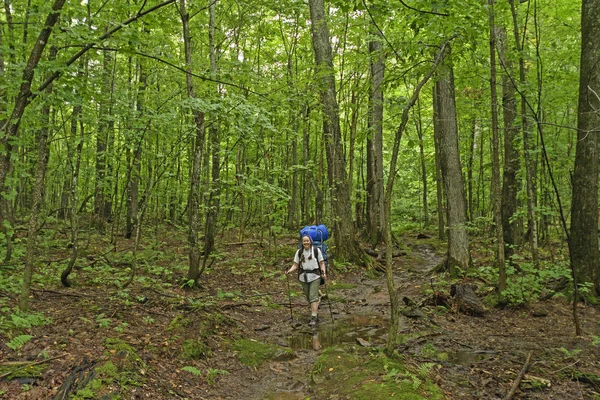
[368,330]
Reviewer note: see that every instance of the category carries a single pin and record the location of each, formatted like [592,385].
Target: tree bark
[37,199]
[458,257]
[212,215]
[10,127]
[584,209]
[527,147]
[194,197]
[375,184]
[347,246]
[496,185]
[510,186]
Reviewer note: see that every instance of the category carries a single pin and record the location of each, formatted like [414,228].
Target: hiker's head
[306,242]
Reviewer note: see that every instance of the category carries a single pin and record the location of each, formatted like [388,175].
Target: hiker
[312,269]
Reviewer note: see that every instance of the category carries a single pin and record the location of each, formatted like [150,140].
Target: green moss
[367,375]
[179,322]
[195,349]
[254,353]
[32,371]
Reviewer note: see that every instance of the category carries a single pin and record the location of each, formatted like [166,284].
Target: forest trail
[159,341]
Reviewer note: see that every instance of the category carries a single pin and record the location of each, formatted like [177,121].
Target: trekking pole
[287,278]
[328,300]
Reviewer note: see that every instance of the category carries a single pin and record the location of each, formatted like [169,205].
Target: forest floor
[243,335]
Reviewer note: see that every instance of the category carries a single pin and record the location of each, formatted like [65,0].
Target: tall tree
[528,152]
[510,184]
[347,246]
[375,184]
[458,257]
[584,210]
[200,129]
[496,186]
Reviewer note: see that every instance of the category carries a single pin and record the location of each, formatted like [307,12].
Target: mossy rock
[363,374]
[253,353]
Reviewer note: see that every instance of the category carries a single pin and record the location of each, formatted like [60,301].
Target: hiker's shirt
[308,264]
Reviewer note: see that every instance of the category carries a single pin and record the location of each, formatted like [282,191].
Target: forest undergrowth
[242,334]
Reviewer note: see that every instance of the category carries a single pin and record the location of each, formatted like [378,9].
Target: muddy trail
[160,341]
[474,357]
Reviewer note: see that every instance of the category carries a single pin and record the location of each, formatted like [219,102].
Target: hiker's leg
[313,297]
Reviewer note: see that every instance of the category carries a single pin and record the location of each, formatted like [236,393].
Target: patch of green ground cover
[367,374]
[253,353]
[19,370]
[124,368]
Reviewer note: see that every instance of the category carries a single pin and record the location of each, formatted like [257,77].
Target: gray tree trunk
[346,244]
[458,257]
[37,198]
[194,197]
[530,174]
[510,185]
[496,185]
[584,209]
[375,184]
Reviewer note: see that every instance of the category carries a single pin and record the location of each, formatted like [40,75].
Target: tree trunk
[136,159]
[510,186]
[347,246]
[37,198]
[419,129]
[194,197]
[441,209]
[458,257]
[10,127]
[375,184]
[212,215]
[496,186]
[584,209]
[100,187]
[527,150]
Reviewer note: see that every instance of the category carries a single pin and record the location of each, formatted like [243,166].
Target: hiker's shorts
[311,290]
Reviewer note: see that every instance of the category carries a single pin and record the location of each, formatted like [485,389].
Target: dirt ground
[144,328]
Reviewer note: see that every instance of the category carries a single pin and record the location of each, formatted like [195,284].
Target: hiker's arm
[294,267]
[323,272]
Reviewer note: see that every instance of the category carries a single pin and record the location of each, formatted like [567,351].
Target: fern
[192,370]
[19,341]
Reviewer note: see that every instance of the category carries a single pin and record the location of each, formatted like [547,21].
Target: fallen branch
[517,381]
[31,365]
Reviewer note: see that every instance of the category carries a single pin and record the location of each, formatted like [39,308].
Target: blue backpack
[319,234]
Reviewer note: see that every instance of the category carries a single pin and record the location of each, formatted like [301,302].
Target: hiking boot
[313,320]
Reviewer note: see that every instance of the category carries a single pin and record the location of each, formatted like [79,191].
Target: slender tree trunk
[510,186]
[136,159]
[194,197]
[37,198]
[73,214]
[375,184]
[100,187]
[458,258]
[470,170]
[496,185]
[584,210]
[527,146]
[10,127]
[419,129]
[212,215]
[441,209]
[387,204]
[347,246]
